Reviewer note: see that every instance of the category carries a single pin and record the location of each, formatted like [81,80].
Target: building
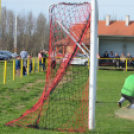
[116,36]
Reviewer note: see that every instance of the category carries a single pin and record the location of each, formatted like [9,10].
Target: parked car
[4,57]
[6,53]
[80,59]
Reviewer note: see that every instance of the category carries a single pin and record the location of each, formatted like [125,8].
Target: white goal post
[93,64]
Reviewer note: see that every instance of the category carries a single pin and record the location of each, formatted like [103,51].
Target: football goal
[65,102]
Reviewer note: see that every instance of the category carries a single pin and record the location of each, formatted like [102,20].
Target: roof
[76,32]
[116,28]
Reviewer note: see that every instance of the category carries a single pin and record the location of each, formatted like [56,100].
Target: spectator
[129,59]
[98,56]
[117,61]
[40,59]
[44,55]
[23,55]
[111,55]
[122,60]
[17,66]
[53,59]
[106,56]
[30,63]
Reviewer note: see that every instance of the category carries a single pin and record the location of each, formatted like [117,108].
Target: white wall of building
[111,45]
[130,47]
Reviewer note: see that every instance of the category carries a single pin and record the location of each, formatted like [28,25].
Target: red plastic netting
[63,104]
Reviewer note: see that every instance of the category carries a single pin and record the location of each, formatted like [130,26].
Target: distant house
[116,36]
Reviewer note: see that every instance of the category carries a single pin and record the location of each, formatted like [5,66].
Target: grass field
[18,96]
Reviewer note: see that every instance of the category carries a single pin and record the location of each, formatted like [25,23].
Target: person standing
[40,59]
[44,55]
[53,59]
[23,55]
[17,66]
[30,63]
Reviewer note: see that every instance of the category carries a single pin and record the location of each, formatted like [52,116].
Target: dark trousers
[44,62]
[24,70]
[129,98]
[40,63]
[53,64]
[122,64]
[30,68]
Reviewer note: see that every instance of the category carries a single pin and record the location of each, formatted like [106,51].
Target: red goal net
[63,104]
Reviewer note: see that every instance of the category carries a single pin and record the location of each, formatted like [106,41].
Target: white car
[80,59]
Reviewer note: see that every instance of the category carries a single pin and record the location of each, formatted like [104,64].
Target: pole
[5,72]
[15,36]
[21,69]
[38,65]
[93,65]
[28,62]
[13,70]
[33,66]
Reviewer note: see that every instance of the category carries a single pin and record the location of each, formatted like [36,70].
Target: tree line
[32,32]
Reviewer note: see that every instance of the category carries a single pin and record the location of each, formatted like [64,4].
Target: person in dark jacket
[44,55]
[106,56]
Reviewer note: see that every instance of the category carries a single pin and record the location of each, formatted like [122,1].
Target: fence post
[5,72]
[126,64]
[28,66]
[46,62]
[38,65]
[33,66]
[13,70]
[21,69]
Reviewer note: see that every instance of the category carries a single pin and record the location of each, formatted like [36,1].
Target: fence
[8,68]
[116,63]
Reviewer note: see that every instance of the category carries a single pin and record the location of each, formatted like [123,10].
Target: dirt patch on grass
[40,81]
[28,87]
[6,97]
[125,113]
[65,79]
[69,73]
[20,107]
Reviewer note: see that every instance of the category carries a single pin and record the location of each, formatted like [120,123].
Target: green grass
[14,101]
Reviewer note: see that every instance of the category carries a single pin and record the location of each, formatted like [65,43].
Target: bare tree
[32,32]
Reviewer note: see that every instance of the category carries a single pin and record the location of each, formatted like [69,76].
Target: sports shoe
[119,104]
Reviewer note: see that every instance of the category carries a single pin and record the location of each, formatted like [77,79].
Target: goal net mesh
[63,104]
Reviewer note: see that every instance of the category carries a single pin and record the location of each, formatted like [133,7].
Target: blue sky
[115,8]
